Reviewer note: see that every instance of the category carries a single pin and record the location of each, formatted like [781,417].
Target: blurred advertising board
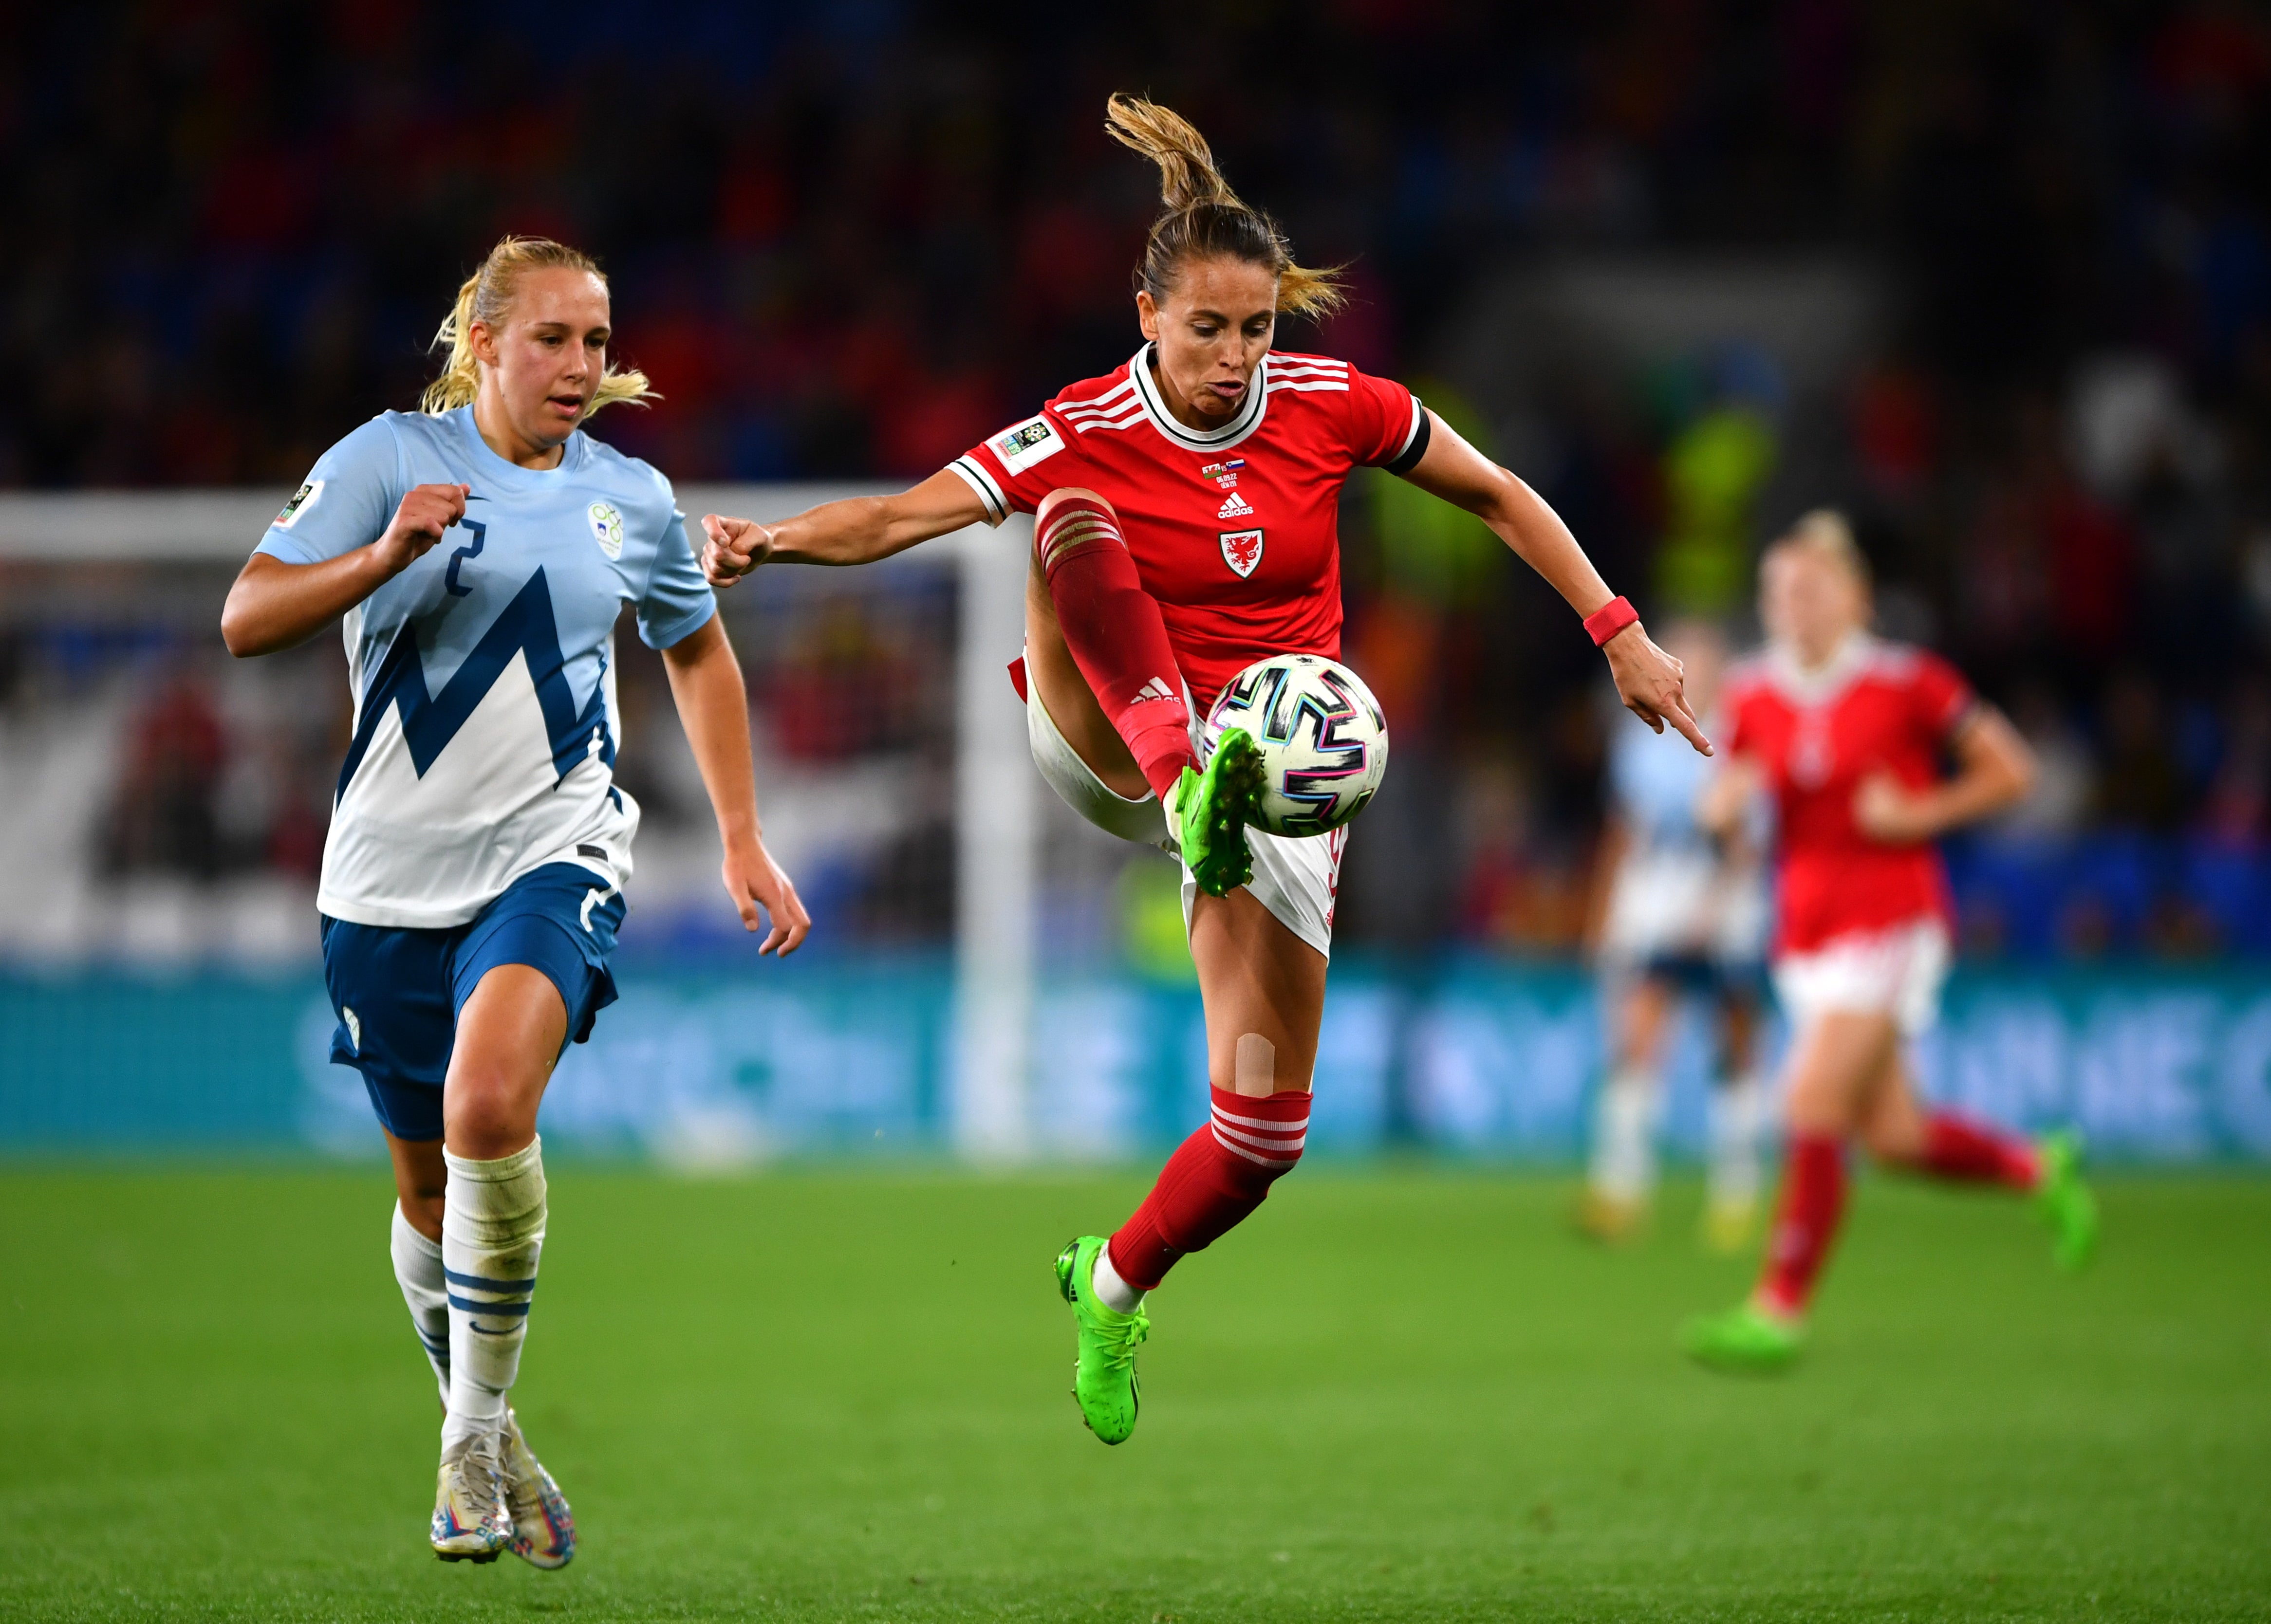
[1474,1059]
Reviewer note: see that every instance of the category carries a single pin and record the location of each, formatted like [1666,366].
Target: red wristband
[1610,618]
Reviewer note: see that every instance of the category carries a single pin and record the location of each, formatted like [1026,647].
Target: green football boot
[1745,1339]
[1210,811]
[2065,1201]
[1103,1374]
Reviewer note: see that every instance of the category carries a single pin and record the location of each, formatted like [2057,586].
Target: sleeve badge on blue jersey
[1029,443]
[306,497]
[607,528]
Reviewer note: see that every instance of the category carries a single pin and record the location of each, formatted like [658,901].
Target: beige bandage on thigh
[1253,1067]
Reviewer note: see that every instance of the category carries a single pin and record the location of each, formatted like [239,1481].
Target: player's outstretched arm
[705,681]
[1647,679]
[858,530]
[1994,770]
[279,605]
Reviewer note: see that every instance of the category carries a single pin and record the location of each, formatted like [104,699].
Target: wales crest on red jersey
[1242,550]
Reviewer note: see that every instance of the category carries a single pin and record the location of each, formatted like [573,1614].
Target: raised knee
[1071,495]
[484,1116]
[1071,519]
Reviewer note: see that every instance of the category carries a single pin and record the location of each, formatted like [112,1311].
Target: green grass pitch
[1395,1395]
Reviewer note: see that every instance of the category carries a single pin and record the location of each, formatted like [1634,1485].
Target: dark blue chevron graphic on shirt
[430,721]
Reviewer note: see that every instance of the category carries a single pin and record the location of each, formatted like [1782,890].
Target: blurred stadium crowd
[848,239]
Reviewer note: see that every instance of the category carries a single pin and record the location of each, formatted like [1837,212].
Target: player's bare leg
[1903,1131]
[1622,1175]
[509,1035]
[1263,990]
[1257,979]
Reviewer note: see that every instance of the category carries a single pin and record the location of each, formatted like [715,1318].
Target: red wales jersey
[1234,531]
[1878,707]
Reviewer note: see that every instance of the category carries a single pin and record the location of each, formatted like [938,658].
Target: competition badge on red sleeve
[1242,550]
[1028,442]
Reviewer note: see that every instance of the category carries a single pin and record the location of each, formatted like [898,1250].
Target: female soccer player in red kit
[1848,733]
[1186,524]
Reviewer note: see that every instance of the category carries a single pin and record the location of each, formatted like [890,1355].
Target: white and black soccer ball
[1322,740]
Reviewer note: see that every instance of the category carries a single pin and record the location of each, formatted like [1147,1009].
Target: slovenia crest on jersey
[607,528]
[1242,550]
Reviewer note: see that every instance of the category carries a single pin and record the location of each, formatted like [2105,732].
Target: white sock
[1624,1136]
[418,1271]
[492,1235]
[1737,1107]
[1110,1290]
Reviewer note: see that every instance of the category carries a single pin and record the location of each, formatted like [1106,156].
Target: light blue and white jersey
[1672,895]
[484,691]
[1655,782]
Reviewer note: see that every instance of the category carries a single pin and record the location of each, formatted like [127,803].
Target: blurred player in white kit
[1675,913]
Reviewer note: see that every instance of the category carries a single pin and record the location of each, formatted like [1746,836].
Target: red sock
[1117,637]
[1806,1220]
[1956,1147]
[1214,1179]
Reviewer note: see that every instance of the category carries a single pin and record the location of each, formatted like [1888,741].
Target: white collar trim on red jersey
[1826,681]
[1249,411]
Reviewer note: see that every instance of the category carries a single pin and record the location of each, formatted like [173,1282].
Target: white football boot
[543,1528]
[472,1522]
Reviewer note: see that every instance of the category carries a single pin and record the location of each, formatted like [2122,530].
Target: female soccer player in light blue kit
[480,553]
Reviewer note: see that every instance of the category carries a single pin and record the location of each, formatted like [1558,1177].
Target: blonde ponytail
[485,297]
[1188,175]
[1204,219]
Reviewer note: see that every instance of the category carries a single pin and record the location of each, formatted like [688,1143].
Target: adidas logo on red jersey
[1235,508]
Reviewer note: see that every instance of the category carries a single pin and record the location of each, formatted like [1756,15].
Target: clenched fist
[735,547]
[426,511]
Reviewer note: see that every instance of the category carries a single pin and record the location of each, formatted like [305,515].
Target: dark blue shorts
[1706,976]
[397,992]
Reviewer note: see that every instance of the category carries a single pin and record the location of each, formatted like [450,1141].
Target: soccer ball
[1322,740]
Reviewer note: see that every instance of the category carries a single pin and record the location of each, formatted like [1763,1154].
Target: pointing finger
[1692,730]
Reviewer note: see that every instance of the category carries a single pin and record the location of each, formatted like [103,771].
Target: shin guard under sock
[1116,635]
[492,1235]
[418,1271]
[1971,1153]
[1213,1181]
[1805,1221]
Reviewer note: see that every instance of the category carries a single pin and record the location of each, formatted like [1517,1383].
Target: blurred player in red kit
[1186,523]
[1848,733]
